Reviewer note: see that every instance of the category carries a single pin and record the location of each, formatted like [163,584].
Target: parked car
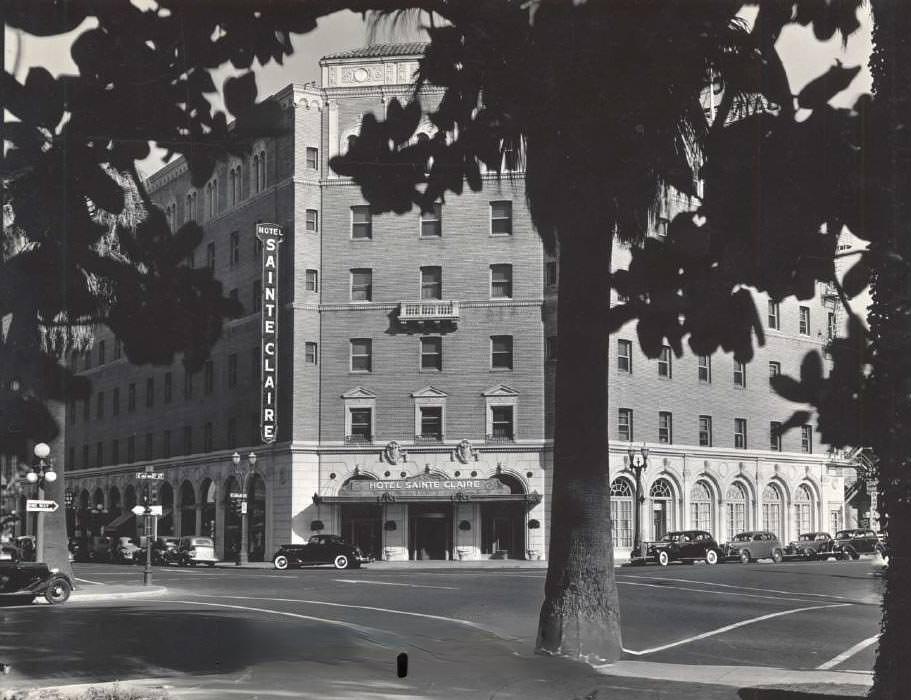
[25,580]
[126,551]
[687,545]
[320,549]
[99,548]
[753,545]
[9,552]
[165,551]
[813,545]
[79,548]
[27,546]
[855,542]
[193,550]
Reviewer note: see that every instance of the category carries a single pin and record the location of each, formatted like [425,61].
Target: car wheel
[58,591]
[280,562]
[744,556]
[340,562]
[711,557]
[777,556]
[663,558]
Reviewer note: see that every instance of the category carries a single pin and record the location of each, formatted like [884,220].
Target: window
[131,397]
[740,374]
[188,439]
[361,428]
[257,305]
[101,353]
[804,320]
[661,226]
[234,248]
[774,369]
[232,370]
[431,283]
[774,315]
[149,445]
[664,363]
[118,348]
[99,454]
[168,387]
[86,408]
[501,218]
[257,245]
[665,427]
[432,422]
[115,451]
[705,369]
[210,255]
[208,382]
[99,405]
[207,438]
[361,223]
[234,182]
[806,438]
[115,402]
[625,424]
[740,433]
[362,284]
[550,348]
[190,213]
[87,359]
[550,273]
[701,511]
[803,504]
[310,353]
[501,281]
[361,355]
[501,422]
[150,392]
[311,156]
[705,431]
[311,281]
[232,431]
[771,511]
[432,222]
[255,359]
[736,510]
[85,457]
[775,436]
[432,354]
[212,199]
[831,326]
[131,448]
[625,356]
[259,171]
[501,352]
[311,221]
[621,513]
[187,384]
[166,444]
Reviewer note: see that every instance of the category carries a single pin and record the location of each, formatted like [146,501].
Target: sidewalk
[104,591]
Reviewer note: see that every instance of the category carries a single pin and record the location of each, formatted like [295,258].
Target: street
[328,633]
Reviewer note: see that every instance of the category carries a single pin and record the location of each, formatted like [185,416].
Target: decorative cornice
[392,306]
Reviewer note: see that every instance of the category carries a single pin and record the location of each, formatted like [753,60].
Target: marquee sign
[423,486]
[271,236]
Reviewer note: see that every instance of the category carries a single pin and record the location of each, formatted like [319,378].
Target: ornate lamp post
[637,462]
[42,473]
[242,474]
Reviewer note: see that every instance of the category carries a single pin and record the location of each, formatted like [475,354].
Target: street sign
[149,475]
[238,494]
[153,510]
[243,507]
[41,506]
[156,510]
[138,510]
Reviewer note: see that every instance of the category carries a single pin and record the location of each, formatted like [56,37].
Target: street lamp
[42,473]
[638,461]
[242,474]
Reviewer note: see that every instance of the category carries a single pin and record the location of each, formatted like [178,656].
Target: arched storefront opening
[771,511]
[129,497]
[662,497]
[803,505]
[187,509]
[166,521]
[82,513]
[114,505]
[129,500]
[361,523]
[621,512]
[503,523]
[231,534]
[98,516]
[737,510]
[702,511]
[256,517]
[207,495]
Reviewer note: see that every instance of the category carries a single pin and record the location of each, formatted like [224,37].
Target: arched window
[771,511]
[621,513]
[212,199]
[803,504]
[662,496]
[701,511]
[256,174]
[259,171]
[736,504]
[187,509]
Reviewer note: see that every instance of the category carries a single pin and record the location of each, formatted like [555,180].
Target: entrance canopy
[416,489]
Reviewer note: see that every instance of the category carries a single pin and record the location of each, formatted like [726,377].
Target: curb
[145,592]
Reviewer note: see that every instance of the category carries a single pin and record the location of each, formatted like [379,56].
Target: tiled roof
[379,50]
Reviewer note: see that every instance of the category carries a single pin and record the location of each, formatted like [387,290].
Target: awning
[115,524]
[465,498]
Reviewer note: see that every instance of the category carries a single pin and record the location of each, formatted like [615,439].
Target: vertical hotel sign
[271,236]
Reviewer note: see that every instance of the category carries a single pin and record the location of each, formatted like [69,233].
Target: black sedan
[813,545]
[853,543]
[26,580]
[687,545]
[319,549]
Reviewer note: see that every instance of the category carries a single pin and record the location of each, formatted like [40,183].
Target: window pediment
[429,392]
[359,392]
[500,390]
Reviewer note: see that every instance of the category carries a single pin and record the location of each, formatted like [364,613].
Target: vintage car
[855,542]
[165,551]
[753,545]
[23,581]
[99,548]
[9,552]
[813,545]
[320,549]
[687,546]
[193,550]
[126,551]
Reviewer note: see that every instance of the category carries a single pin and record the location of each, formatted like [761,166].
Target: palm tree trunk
[580,617]
[56,541]
[890,328]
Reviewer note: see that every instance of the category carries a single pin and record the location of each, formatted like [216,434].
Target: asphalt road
[467,632]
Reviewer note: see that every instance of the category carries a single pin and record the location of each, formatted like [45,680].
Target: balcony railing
[500,439]
[429,310]
[358,439]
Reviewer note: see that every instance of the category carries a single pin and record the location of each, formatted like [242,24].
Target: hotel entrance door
[429,532]
[361,525]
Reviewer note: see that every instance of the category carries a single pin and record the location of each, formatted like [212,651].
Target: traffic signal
[153,495]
